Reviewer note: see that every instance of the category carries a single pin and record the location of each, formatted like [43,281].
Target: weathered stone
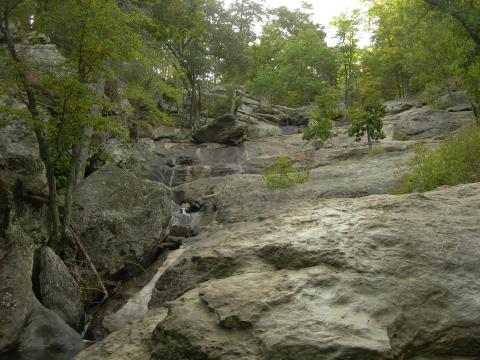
[45,330]
[16,263]
[130,343]
[426,123]
[224,130]
[245,197]
[157,132]
[398,106]
[343,278]
[121,218]
[58,290]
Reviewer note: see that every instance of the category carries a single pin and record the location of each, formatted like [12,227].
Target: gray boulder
[398,106]
[45,330]
[122,219]
[427,123]
[58,290]
[224,130]
[16,300]
[131,343]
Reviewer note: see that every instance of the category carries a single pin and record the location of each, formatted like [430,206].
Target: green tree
[366,115]
[291,61]
[326,109]
[347,29]
[61,100]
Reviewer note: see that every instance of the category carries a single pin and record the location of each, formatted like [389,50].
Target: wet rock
[122,219]
[224,130]
[58,290]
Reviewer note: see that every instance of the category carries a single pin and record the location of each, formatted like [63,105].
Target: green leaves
[456,161]
[321,116]
[292,60]
[282,174]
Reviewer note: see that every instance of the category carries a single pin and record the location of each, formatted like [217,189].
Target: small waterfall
[172,176]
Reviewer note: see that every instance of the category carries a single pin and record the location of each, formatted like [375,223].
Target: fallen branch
[81,247]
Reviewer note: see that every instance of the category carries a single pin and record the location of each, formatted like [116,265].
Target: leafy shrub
[456,161]
[282,174]
[318,129]
[326,110]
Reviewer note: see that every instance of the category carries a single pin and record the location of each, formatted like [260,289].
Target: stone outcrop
[238,198]
[379,277]
[224,130]
[122,219]
[427,123]
[58,290]
[46,331]
[131,343]
[16,302]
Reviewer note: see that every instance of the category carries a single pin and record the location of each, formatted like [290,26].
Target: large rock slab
[58,290]
[240,198]
[427,123]
[46,331]
[378,277]
[224,130]
[122,219]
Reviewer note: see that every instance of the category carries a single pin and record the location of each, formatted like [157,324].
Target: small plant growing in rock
[282,174]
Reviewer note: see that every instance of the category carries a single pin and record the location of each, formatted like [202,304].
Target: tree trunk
[43,144]
[83,154]
[194,102]
[71,182]
[370,145]
[233,103]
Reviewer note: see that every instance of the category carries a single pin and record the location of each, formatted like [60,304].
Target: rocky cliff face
[377,277]
[333,269]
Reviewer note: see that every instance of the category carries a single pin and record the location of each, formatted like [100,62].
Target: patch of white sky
[323,13]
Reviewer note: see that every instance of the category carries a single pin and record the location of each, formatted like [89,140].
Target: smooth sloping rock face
[122,219]
[224,130]
[378,277]
[245,197]
[58,291]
